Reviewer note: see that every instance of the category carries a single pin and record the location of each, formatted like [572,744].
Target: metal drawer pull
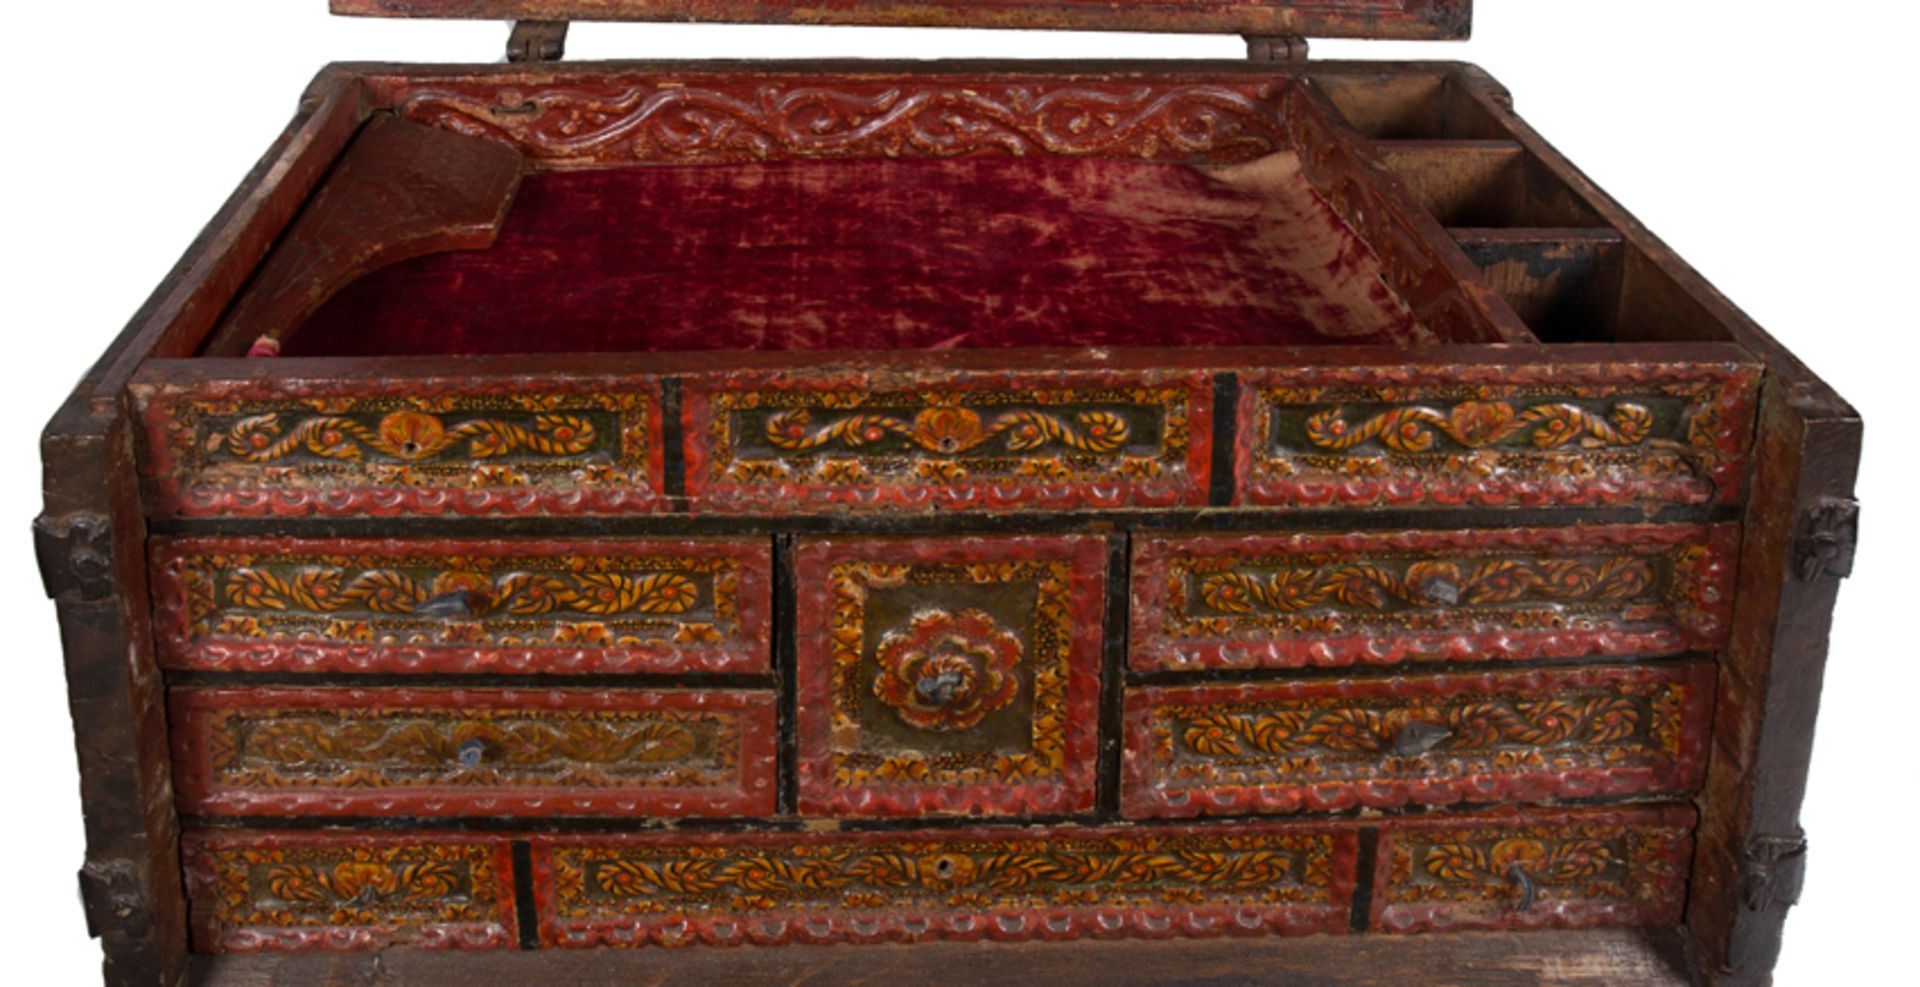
[1418,738]
[471,752]
[1518,875]
[458,603]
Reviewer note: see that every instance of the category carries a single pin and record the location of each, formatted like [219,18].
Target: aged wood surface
[91,539]
[1350,18]
[400,190]
[1750,847]
[1603,958]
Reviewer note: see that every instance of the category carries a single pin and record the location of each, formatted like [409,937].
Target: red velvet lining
[921,253]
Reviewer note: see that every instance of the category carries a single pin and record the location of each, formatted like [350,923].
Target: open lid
[1405,19]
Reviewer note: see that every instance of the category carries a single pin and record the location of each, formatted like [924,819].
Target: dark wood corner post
[1800,530]
[91,539]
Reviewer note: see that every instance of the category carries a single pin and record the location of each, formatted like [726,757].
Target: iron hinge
[537,41]
[76,555]
[114,898]
[1276,48]
[1825,537]
[1776,867]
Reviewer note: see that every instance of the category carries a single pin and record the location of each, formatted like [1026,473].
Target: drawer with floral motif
[1542,869]
[467,606]
[976,883]
[254,891]
[1319,745]
[949,675]
[427,752]
[1324,599]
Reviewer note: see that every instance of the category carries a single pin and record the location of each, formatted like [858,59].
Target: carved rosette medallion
[1624,867]
[253,892]
[1482,435]
[1090,440]
[948,672]
[777,888]
[948,675]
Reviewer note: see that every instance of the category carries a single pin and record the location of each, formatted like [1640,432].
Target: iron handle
[1528,890]
[1418,738]
[458,603]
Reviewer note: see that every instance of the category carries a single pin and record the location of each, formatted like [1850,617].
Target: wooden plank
[1608,958]
[401,190]
[1406,19]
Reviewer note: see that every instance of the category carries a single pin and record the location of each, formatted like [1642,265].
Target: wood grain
[1546,959]
[1348,19]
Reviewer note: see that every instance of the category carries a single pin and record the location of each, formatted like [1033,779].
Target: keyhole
[943,869]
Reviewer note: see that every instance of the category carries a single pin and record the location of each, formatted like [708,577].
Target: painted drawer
[1437,740]
[331,891]
[1486,431]
[472,752]
[957,675]
[940,437]
[980,883]
[451,605]
[1324,599]
[1577,869]
[400,441]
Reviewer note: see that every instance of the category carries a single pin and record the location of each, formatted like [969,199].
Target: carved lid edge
[1384,19]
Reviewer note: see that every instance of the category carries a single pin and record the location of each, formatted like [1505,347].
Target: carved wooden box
[1272,516]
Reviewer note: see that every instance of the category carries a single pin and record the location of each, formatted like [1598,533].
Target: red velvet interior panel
[923,253]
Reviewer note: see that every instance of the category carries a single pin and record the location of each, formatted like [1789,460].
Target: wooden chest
[1094,521]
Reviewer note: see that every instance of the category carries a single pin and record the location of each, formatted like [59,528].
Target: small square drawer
[1573,869]
[452,605]
[990,882]
[1323,599]
[1435,740]
[250,891]
[473,752]
[957,675]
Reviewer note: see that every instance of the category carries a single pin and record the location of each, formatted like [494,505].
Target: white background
[1769,142]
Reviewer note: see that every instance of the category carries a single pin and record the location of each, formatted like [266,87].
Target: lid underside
[1405,19]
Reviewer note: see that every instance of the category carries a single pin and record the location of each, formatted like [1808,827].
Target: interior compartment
[1587,285]
[886,254]
[1486,183]
[1565,284]
[1397,106]
[989,212]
